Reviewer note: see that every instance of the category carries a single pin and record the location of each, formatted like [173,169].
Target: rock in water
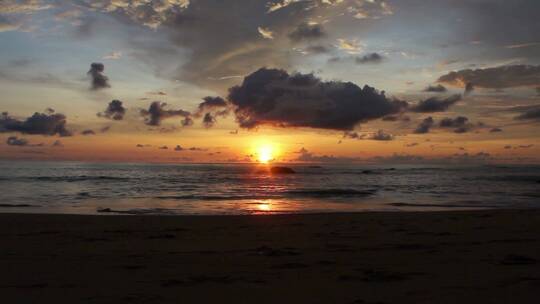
[282,170]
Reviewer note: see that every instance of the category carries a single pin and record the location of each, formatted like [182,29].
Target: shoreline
[480,256]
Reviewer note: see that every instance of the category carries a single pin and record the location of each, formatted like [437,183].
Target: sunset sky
[224,81]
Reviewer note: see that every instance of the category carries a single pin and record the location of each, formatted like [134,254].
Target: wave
[300,193]
[507,178]
[330,192]
[80,178]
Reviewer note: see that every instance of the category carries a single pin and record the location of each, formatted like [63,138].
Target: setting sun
[265,154]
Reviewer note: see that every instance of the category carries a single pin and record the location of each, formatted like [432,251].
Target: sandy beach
[444,257]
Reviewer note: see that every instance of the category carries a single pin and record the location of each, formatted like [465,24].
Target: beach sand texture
[444,257]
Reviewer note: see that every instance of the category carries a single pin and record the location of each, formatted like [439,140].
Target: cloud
[273,97]
[460,123]
[99,80]
[113,55]
[266,33]
[373,9]
[115,111]
[495,78]
[369,58]
[211,108]
[178,148]
[149,13]
[307,31]
[306,156]
[277,5]
[7,25]
[209,120]
[350,46]
[39,124]
[533,113]
[381,135]
[88,132]
[435,89]
[425,126]
[469,88]
[157,112]
[22,6]
[435,104]
[495,130]
[317,49]
[163,148]
[15,141]
[211,103]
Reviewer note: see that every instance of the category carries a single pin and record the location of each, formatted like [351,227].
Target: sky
[337,81]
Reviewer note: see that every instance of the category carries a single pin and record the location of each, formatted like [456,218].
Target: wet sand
[445,257]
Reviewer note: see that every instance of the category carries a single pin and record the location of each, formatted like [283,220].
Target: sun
[265,154]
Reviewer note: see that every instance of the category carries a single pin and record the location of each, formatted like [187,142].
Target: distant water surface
[106,188]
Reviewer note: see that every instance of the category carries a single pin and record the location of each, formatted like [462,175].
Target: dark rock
[282,170]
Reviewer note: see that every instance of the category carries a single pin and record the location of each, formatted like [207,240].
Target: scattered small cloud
[88,132]
[266,33]
[425,126]
[307,31]
[115,111]
[369,58]
[99,80]
[435,88]
[435,104]
[157,112]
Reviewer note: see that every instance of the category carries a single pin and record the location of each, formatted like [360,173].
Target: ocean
[234,189]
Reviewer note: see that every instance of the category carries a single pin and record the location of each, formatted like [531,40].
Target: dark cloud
[211,103]
[15,141]
[157,112]
[494,78]
[307,31]
[457,122]
[528,112]
[273,97]
[39,123]
[381,135]
[318,49]
[115,111]
[495,130]
[179,148]
[142,146]
[187,121]
[435,88]
[163,148]
[211,108]
[425,126]
[88,132]
[396,118]
[469,88]
[435,104]
[369,58]
[105,129]
[209,120]
[99,80]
